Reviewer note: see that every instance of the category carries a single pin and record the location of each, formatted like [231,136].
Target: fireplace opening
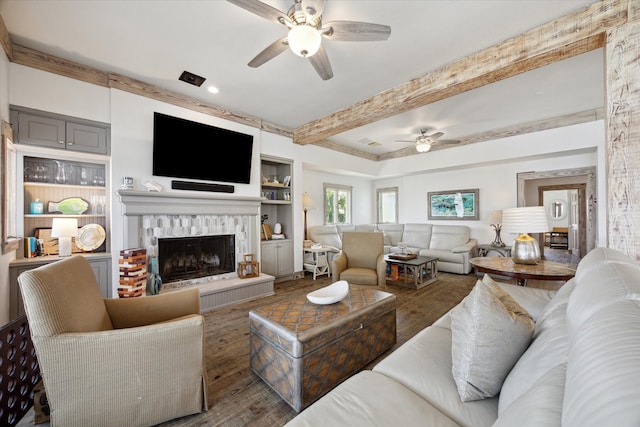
[181,258]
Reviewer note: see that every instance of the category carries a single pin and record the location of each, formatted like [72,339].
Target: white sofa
[581,368]
[451,244]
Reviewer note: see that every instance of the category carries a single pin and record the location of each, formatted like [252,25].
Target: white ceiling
[154,41]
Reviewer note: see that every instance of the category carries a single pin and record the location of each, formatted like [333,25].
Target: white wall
[50,92]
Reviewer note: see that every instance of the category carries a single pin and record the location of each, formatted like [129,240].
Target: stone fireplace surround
[152,215]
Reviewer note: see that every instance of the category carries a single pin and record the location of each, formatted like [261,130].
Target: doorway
[565,206]
[530,195]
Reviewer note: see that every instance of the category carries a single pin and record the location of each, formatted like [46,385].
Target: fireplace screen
[183,258]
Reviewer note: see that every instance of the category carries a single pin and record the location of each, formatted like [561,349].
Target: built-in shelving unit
[58,158]
[276,192]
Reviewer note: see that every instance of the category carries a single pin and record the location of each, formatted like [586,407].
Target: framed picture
[287,181]
[451,205]
[10,241]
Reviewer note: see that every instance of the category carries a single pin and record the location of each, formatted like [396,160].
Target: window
[337,204]
[387,202]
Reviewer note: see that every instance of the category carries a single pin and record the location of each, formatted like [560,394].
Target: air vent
[191,78]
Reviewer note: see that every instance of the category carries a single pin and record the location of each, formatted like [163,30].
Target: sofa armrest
[338,265]
[467,247]
[132,312]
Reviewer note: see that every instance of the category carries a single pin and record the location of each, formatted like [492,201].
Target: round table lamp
[523,220]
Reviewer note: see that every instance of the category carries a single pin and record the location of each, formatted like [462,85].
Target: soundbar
[201,186]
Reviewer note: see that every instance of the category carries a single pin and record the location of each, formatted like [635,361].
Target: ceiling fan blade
[448,141]
[313,8]
[352,31]
[436,135]
[321,64]
[263,10]
[405,140]
[270,52]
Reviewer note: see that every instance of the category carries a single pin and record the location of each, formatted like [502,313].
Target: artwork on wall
[457,204]
[10,241]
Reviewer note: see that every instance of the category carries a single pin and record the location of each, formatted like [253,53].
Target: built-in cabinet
[57,131]
[277,258]
[276,208]
[100,263]
[49,174]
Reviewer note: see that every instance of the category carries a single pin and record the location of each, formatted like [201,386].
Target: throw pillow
[490,331]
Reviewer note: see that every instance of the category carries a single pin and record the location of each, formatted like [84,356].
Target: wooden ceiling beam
[568,36]
[53,64]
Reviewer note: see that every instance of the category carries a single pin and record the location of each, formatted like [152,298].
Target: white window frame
[381,215]
[327,203]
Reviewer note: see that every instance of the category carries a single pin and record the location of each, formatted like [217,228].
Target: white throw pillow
[490,331]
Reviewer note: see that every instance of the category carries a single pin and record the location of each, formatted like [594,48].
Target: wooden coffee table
[303,350]
[504,266]
[413,273]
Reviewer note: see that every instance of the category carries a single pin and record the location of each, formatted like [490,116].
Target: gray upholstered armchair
[361,261]
[133,362]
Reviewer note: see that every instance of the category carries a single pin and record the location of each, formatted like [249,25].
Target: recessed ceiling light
[213,89]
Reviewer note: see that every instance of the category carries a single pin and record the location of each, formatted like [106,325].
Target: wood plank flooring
[237,397]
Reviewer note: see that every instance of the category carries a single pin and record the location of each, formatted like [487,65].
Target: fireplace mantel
[136,204]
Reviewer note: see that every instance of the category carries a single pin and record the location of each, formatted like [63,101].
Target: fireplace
[152,217]
[181,258]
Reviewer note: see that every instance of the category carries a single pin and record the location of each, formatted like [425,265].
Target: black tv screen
[186,149]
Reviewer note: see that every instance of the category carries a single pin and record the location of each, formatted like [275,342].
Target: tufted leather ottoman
[303,350]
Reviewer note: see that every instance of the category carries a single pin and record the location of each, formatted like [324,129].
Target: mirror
[557,209]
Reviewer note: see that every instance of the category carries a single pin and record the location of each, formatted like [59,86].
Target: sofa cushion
[541,406]
[448,237]
[416,235]
[392,233]
[360,276]
[423,365]
[603,369]
[367,399]
[606,284]
[548,348]
[598,256]
[443,255]
[490,331]
[326,235]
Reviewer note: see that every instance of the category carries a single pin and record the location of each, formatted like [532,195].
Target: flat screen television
[186,149]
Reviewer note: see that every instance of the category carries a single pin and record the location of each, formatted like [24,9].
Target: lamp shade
[304,40]
[529,219]
[523,220]
[495,217]
[64,227]
[307,202]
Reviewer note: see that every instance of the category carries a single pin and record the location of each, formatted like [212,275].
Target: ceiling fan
[305,32]
[424,142]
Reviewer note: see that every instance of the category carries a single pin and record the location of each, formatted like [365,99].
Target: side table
[491,250]
[315,260]
[544,270]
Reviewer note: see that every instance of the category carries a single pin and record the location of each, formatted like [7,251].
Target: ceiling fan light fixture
[304,40]
[422,146]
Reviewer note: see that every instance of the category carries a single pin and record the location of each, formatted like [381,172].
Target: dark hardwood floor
[238,397]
